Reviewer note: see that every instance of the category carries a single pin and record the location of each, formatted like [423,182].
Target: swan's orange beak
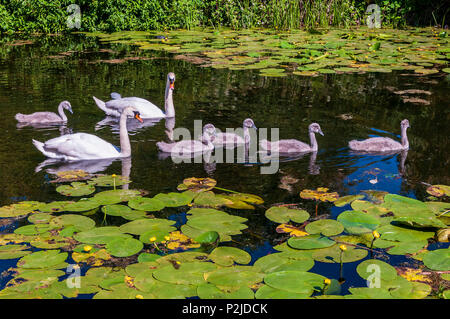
[137,117]
[172,85]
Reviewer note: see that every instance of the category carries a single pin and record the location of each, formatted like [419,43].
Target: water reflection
[133,126]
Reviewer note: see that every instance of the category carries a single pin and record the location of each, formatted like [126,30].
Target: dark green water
[32,80]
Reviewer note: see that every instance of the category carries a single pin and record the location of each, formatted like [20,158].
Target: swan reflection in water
[89,166]
[62,128]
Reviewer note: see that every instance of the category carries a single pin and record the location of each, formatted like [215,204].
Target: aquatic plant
[152,257]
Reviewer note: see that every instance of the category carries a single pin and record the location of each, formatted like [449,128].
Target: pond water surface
[347,106]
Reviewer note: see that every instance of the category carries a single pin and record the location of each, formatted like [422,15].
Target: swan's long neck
[207,139]
[125,146]
[405,142]
[61,112]
[246,135]
[312,138]
[168,101]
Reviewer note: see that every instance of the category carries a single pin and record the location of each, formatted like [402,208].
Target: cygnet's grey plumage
[188,147]
[46,117]
[382,144]
[290,146]
[233,139]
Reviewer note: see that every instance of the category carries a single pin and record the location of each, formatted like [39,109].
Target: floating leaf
[174,199]
[75,189]
[209,291]
[320,194]
[370,267]
[227,256]
[300,282]
[109,180]
[190,273]
[124,247]
[283,215]
[197,184]
[146,204]
[326,227]
[43,259]
[141,226]
[438,259]
[342,201]
[356,222]
[100,235]
[280,262]
[115,196]
[291,230]
[335,255]
[310,242]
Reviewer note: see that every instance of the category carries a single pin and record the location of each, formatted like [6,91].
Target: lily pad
[326,227]
[146,204]
[283,215]
[44,259]
[227,256]
[438,259]
[76,189]
[356,222]
[310,242]
[124,247]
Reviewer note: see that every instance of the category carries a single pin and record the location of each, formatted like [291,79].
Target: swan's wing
[39,117]
[285,146]
[228,138]
[81,146]
[115,96]
[145,108]
[375,144]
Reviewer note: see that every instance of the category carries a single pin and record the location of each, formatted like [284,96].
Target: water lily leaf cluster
[279,53]
[153,257]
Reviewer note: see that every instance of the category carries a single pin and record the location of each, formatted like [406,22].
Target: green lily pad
[371,267]
[342,201]
[146,204]
[141,226]
[280,262]
[268,292]
[209,291]
[43,259]
[109,181]
[326,227]
[115,196]
[76,189]
[124,247]
[190,273]
[438,259]
[356,222]
[81,223]
[283,215]
[82,205]
[310,242]
[333,254]
[100,235]
[300,282]
[235,276]
[227,256]
[174,199]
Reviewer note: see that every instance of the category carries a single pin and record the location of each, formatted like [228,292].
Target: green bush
[50,16]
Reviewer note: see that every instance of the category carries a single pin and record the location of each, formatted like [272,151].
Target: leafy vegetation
[51,16]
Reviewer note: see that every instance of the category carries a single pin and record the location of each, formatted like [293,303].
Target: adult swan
[147,109]
[82,146]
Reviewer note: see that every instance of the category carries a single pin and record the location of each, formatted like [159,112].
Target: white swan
[147,109]
[190,147]
[46,117]
[82,146]
[292,145]
[382,144]
[233,139]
